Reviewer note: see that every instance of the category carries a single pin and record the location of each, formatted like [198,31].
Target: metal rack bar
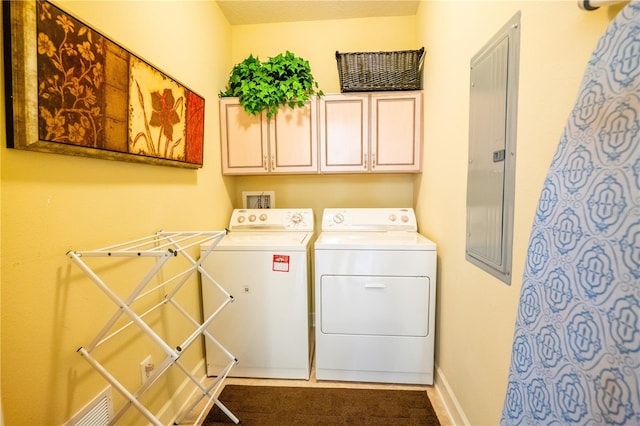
[125,326]
[206,333]
[123,390]
[164,246]
[124,305]
[151,245]
[212,391]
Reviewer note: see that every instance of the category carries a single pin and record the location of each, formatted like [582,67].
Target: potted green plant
[281,80]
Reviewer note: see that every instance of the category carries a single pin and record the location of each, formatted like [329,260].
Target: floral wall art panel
[75,91]
[156,114]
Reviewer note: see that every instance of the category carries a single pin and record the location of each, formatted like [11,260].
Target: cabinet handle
[264,162]
[377,286]
[273,162]
[373,161]
[364,160]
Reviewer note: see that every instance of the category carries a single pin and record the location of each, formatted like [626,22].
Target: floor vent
[98,412]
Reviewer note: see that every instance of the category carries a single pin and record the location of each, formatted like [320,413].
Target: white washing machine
[375,291]
[264,263]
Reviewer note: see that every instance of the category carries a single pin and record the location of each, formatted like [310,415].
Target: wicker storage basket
[378,71]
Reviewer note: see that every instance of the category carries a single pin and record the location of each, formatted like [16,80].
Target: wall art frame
[71,90]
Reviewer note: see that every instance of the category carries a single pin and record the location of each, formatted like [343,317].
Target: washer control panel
[271,220]
[373,219]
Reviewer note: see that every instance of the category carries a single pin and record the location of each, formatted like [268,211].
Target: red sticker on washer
[280,263]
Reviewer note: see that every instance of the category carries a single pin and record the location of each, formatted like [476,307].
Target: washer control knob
[338,218]
[240,219]
[263,217]
[296,218]
[252,218]
[405,218]
[393,217]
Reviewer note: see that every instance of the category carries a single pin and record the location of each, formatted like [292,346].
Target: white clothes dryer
[375,291]
[264,263]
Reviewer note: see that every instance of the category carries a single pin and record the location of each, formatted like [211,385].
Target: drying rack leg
[119,387]
[212,391]
[205,391]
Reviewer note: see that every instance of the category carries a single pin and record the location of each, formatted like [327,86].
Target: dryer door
[375,305]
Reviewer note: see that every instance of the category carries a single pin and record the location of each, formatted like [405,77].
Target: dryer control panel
[369,219]
[271,220]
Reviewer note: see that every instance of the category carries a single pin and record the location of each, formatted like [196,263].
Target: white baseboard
[448,398]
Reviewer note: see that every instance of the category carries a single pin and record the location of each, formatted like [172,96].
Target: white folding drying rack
[163,246]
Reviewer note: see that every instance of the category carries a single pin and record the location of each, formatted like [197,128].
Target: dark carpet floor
[279,406]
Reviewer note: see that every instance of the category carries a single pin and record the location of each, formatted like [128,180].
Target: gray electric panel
[492,151]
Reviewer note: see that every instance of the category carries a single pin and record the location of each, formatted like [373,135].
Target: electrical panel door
[492,136]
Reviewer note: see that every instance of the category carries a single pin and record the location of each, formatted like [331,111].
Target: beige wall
[476,312]
[54,203]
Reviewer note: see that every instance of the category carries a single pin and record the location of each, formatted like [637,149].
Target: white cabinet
[254,144]
[371,132]
[344,133]
[396,131]
[351,133]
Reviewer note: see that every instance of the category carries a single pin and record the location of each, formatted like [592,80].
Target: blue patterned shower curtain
[576,349]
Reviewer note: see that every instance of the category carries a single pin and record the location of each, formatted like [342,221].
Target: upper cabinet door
[254,144]
[396,132]
[350,132]
[243,138]
[293,139]
[344,133]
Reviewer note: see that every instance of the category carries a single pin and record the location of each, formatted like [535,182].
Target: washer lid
[374,240]
[264,241]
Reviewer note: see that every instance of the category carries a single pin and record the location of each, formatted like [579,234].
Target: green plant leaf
[265,86]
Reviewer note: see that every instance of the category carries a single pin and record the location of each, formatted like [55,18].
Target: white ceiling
[241,12]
